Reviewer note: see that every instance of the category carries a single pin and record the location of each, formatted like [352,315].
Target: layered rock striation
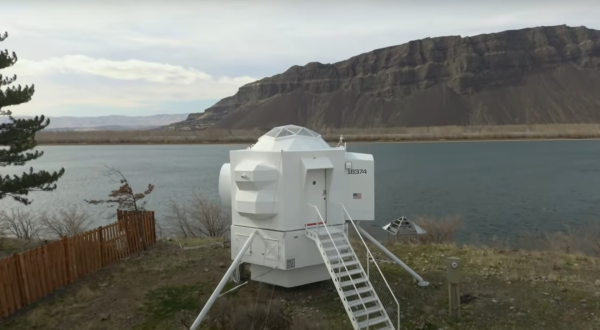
[528,76]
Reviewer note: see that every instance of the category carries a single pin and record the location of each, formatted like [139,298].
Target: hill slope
[535,75]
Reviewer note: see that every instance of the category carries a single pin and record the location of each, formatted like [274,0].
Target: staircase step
[365,312]
[371,322]
[347,263]
[343,263]
[350,272]
[335,257]
[358,291]
[336,248]
[335,241]
[354,280]
[322,232]
[332,232]
[359,302]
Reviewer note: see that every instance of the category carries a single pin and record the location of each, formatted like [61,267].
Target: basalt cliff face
[529,76]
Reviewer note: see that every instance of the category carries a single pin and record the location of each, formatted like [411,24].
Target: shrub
[19,223]
[439,231]
[199,218]
[66,223]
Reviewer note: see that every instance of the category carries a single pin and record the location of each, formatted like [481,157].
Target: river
[499,188]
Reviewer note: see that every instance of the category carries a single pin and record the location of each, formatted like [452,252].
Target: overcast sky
[92,58]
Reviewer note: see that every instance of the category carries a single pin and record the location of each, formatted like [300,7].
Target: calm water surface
[499,188]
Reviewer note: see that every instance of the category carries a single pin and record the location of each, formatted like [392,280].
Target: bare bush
[65,223]
[19,223]
[3,241]
[585,239]
[200,217]
[441,230]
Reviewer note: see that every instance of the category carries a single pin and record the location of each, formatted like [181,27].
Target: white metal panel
[315,163]
[315,193]
[256,189]
[225,185]
[240,240]
[272,249]
[359,198]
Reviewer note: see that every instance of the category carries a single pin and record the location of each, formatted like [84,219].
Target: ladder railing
[324,225]
[369,257]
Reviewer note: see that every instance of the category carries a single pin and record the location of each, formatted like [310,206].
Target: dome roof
[290,137]
[290,130]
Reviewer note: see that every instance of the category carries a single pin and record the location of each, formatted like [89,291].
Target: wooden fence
[29,276]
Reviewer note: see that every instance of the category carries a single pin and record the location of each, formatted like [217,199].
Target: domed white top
[290,137]
[290,130]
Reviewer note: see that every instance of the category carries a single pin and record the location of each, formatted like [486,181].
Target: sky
[96,58]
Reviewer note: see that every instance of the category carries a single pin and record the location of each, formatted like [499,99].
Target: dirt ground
[165,287]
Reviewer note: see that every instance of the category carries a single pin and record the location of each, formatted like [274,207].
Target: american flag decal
[356,195]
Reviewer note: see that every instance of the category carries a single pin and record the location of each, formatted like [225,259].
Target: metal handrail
[375,262]
[341,262]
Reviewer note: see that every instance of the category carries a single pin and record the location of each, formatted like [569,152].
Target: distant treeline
[396,134]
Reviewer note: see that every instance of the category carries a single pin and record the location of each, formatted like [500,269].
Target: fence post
[23,279]
[453,266]
[20,285]
[139,215]
[101,240]
[66,247]
[153,228]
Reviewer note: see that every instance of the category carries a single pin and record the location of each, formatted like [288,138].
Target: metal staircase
[357,293]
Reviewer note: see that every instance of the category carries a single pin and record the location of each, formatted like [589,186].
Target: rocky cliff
[527,76]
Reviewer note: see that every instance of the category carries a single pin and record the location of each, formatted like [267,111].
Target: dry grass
[165,288]
[585,239]
[553,131]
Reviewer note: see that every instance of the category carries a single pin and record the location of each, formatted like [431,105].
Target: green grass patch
[162,305]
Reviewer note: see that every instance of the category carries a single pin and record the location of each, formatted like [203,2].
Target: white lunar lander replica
[292,198]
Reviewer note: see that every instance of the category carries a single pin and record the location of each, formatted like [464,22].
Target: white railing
[341,261]
[371,257]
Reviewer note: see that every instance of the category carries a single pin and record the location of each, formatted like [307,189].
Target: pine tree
[17,136]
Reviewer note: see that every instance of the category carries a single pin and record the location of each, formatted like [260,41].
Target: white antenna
[341,141]
[301,204]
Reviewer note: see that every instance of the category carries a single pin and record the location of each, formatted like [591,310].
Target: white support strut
[224,280]
[393,257]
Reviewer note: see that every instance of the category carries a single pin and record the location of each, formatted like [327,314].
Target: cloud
[125,55]
[79,80]
[131,69]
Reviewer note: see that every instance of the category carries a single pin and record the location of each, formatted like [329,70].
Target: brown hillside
[536,75]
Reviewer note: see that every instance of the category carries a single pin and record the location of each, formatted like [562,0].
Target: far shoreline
[348,142]
[439,134]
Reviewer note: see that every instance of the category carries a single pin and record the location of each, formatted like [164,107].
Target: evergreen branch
[16,95]
[16,186]
[4,81]
[19,136]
